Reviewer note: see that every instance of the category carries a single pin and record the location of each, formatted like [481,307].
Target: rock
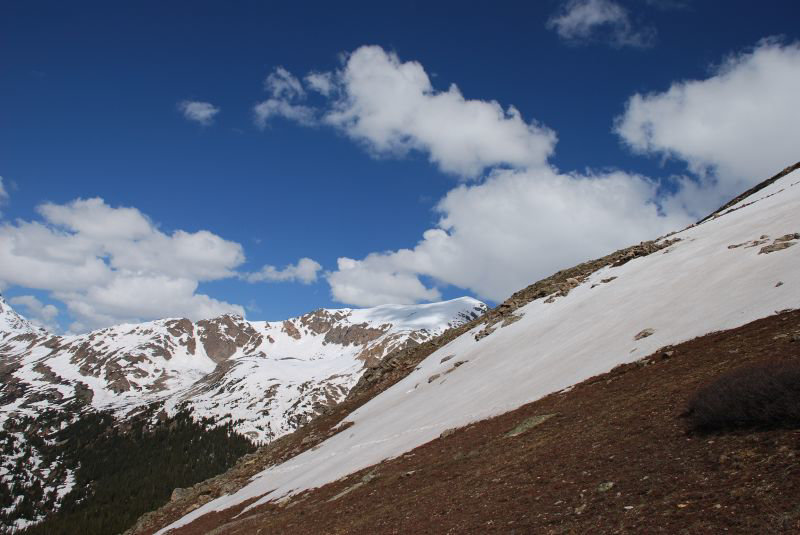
[528,423]
[445,359]
[778,246]
[447,432]
[179,493]
[605,486]
[433,377]
[369,477]
[779,284]
[788,237]
[346,491]
[644,333]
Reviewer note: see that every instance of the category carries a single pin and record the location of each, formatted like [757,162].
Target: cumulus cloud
[516,227]
[199,112]
[391,107]
[132,297]
[305,271]
[734,127]
[112,264]
[377,280]
[581,21]
[523,222]
[37,312]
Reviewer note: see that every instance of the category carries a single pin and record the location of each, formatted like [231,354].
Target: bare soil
[611,455]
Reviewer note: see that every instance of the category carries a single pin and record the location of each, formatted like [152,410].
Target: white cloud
[199,112]
[286,91]
[283,84]
[734,128]
[3,192]
[40,314]
[264,111]
[305,271]
[526,220]
[516,227]
[377,280]
[321,82]
[111,264]
[132,297]
[599,20]
[392,108]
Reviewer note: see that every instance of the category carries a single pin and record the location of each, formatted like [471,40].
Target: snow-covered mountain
[267,377]
[738,265]
[261,379]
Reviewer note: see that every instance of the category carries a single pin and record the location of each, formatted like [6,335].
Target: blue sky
[426,190]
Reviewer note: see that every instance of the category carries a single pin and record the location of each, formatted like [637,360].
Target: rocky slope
[736,266]
[260,379]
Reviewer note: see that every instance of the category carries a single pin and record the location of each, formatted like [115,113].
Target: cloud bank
[519,218]
[112,264]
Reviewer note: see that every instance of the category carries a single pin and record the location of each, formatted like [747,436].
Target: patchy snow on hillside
[723,273]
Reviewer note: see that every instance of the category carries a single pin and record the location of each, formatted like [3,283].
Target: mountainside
[736,266]
[610,455]
[257,379]
[268,377]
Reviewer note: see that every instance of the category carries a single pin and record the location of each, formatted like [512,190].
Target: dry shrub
[758,396]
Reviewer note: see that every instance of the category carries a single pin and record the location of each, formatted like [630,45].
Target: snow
[429,316]
[153,358]
[689,289]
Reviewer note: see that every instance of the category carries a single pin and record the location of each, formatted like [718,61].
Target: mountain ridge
[258,379]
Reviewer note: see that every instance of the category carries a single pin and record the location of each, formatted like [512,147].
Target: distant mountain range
[261,379]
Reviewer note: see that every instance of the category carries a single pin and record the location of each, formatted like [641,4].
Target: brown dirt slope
[611,455]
